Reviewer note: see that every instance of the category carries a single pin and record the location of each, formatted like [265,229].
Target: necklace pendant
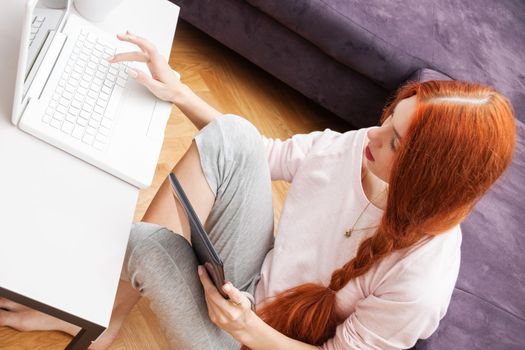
[348,232]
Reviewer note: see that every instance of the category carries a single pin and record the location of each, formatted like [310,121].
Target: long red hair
[460,140]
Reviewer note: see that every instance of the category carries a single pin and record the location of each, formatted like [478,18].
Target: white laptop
[69,96]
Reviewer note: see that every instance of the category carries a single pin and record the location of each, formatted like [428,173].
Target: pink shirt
[399,300]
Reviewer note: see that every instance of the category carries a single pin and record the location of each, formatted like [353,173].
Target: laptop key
[106,90]
[46,118]
[121,82]
[73,110]
[61,109]
[103,131]
[101,138]
[71,118]
[88,139]
[84,84]
[99,110]
[82,121]
[68,127]
[68,95]
[92,94]
[78,132]
[101,103]
[90,101]
[94,123]
[59,115]
[76,75]
[76,104]
[82,91]
[96,116]
[55,123]
[99,145]
[91,130]
[70,88]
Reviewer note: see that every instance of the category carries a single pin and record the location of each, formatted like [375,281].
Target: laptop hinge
[47,65]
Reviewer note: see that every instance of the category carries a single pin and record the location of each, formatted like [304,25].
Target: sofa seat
[474,323]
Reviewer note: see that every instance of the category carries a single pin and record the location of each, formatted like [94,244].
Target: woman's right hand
[164,81]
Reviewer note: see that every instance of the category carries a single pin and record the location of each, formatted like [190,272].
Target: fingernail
[110,58]
[226,287]
[199,270]
[132,73]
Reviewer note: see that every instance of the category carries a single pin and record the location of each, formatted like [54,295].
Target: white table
[64,224]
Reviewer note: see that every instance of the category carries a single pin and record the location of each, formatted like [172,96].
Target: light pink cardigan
[398,301]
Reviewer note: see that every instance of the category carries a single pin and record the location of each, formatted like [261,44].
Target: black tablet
[201,244]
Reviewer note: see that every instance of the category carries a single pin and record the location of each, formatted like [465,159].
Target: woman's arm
[198,111]
[164,82]
[236,317]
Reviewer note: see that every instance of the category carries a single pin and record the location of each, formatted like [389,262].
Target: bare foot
[25,319]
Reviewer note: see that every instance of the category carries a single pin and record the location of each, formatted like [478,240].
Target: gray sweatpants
[161,264]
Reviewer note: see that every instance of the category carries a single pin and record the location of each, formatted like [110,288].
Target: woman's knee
[233,138]
[139,239]
[245,138]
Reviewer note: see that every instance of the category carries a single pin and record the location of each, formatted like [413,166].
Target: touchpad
[140,104]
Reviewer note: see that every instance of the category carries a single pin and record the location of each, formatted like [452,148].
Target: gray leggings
[161,265]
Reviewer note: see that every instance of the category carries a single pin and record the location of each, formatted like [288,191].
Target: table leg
[83,339]
[89,332]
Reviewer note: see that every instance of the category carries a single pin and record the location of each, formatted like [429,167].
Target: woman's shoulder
[428,268]
[335,143]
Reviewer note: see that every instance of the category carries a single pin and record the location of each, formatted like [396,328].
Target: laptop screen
[45,23]
[42,20]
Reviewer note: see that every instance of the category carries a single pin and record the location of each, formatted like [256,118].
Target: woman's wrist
[251,331]
[179,93]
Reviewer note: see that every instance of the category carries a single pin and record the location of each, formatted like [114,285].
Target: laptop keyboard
[84,102]
[35,27]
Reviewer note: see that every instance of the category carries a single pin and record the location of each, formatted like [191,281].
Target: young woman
[367,250]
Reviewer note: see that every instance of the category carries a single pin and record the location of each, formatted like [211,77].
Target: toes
[6,304]
[11,305]
[8,319]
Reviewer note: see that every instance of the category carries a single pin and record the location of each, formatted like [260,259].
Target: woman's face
[384,141]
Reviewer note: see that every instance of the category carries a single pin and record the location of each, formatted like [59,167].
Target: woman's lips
[368,154]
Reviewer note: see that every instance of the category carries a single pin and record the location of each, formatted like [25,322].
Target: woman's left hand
[232,315]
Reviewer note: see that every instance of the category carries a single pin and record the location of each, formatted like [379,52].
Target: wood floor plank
[232,85]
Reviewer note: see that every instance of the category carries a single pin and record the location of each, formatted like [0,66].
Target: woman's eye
[393,143]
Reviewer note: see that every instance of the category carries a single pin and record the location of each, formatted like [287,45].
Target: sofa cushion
[487,310]
[493,259]
[386,41]
[473,323]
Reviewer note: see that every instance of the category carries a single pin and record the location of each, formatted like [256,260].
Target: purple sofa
[350,55]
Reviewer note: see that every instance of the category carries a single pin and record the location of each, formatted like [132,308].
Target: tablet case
[201,244]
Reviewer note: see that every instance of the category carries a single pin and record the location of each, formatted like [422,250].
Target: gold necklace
[348,232]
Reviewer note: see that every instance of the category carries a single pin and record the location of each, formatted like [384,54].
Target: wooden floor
[232,85]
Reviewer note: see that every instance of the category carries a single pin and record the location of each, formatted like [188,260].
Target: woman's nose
[374,135]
